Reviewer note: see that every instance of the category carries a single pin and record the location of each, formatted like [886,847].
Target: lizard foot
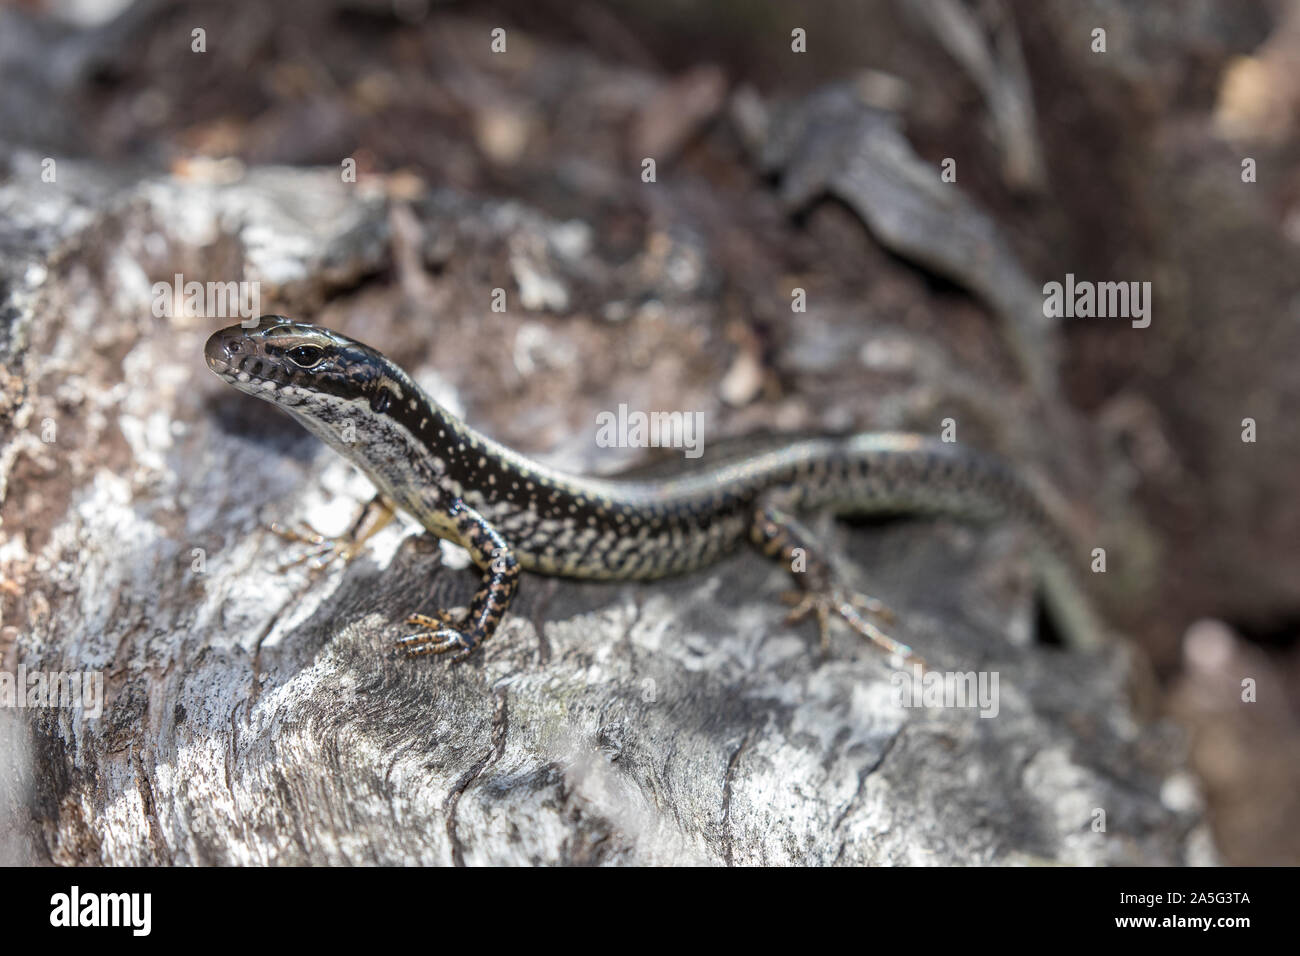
[322,551]
[439,633]
[848,606]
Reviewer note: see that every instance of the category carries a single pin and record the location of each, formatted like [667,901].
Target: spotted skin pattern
[511,513]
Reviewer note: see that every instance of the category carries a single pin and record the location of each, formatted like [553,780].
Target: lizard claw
[438,634]
[439,619]
[322,551]
[847,605]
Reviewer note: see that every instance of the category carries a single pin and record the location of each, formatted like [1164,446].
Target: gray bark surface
[254,716]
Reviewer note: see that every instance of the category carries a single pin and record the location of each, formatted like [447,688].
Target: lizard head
[349,395]
[306,369]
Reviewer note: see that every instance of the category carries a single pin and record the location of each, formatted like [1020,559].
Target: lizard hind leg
[782,537]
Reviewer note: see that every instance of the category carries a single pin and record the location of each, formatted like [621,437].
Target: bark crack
[728,845]
[862,784]
[500,726]
[161,851]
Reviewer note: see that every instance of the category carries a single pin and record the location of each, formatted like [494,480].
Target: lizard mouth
[237,359]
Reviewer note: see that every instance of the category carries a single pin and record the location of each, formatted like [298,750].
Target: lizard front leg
[444,632]
[376,515]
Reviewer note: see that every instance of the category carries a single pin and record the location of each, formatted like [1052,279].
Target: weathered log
[257,716]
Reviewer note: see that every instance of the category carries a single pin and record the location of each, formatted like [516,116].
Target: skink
[513,514]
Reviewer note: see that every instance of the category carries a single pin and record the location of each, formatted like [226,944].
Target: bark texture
[253,716]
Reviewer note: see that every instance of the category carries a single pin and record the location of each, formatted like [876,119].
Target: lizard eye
[305,356]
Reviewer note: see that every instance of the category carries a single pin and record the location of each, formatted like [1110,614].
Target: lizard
[513,514]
